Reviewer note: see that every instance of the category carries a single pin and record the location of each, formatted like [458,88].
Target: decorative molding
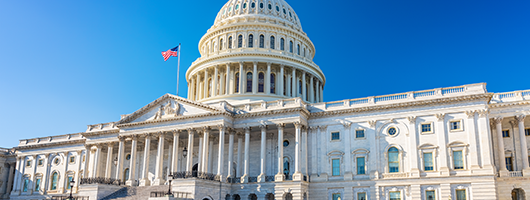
[372,123]
[412,119]
[440,116]
[36,146]
[520,118]
[470,113]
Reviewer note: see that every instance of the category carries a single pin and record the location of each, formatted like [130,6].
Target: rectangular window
[28,163]
[527,132]
[26,184]
[460,194]
[70,178]
[72,159]
[336,167]
[37,184]
[426,128]
[509,163]
[41,162]
[505,133]
[335,136]
[361,196]
[359,133]
[430,195]
[455,125]
[427,162]
[458,160]
[395,195]
[336,196]
[361,166]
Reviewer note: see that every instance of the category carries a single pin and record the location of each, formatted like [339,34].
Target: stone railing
[511,96]
[479,88]
[284,103]
[100,180]
[196,174]
[395,175]
[67,198]
[184,195]
[516,174]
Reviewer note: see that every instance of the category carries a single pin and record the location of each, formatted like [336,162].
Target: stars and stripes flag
[172,52]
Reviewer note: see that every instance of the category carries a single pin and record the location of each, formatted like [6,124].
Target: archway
[237,197]
[252,197]
[288,196]
[269,196]
[518,194]
[194,170]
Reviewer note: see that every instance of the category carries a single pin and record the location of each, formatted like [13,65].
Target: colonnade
[277,80]
[519,123]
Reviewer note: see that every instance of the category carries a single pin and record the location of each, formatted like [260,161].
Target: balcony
[100,180]
[516,174]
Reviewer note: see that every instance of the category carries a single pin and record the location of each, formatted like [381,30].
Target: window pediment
[428,146]
[335,153]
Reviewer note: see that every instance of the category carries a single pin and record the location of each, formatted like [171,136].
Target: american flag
[172,52]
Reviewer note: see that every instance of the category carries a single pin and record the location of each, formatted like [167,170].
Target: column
[201,148]
[132,167]
[321,92]
[17,176]
[304,146]
[145,168]
[485,139]
[205,84]
[34,172]
[215,81]
[22,172]
[500,144]
[48,163]
[280,176]
[280,82]
[159,179]
[210,154]
[222,84]
[442,142]
[230,153]
[311,90]
[220,158]
[472,134]
[241,75]
[205,149]
[414,170]
[262,175]
[348,175]
[189,161]
[297,176]
[524,146]
[324,162]
[239,154]
[95,173]
[121,152]
[64,178]
[77,176]
[175,158]
[255,78]
[10,180]
[317,96]
[268,79]
[244,178]
[87,159]
[304,87]
[314,152]
[227,81]
[197,88]
[294,91]
[288,86]
[108,169]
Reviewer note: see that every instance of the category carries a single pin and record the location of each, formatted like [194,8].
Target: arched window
[291,46]
[237,83]
[288,196]
[272,42]
[126,174]
[261,41]
[286,163]
[300,87]
[249,82]
[230,42]
[282,44]
[221,44]
[269,196]
[55,178]
[227,197]
[252,197]
[298,49]
[209,88]
[307,91]
[250,41]
[239,41]
[284,85]
[261,82]
[393,160]
[237,197]
[273,83]
[304,51]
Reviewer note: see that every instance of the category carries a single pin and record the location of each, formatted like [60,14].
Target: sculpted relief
[167,110]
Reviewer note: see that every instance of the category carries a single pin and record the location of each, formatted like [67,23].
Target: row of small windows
[53,184]
[509,163]
[261,6]
[461,194]
[56,161]
[506,133]
[261,44]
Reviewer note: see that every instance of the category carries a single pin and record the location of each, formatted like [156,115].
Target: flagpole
[178,70]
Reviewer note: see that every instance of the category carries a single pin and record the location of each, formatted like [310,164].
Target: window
[237,83]
[84,158]
[249,82]
[455,125]
[237,7]
[221,44]
[426,128]
[230,42]
[273,83]
[300,87]
[359,133]
[298,49]
[428,164]
[70,178]
[261,82]
[244,5]
[392,131]
[286,165]
[209,90]
[395,195]
[361,196]
[55,176]
[250,41]
[458,160]
[126,174]
[361,166]
[72,159]
[285,143]
[272,42]
[505,133]
[239,41]
[260,5]
[336,196]
[335,167]
[527,131]
[128,156]
[270,6]
[26,185]
[261,41]
[291,46]
[509,163]
[393,160]
[37,184]
[284,85]
[253,5]
[28,163]
[461,194]
[335,136]
[282,44]
[430,195]
[40,162]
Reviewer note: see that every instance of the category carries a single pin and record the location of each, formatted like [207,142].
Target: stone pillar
[472,133]
[311,90]
[10,180]
[31,188]
[524,145]
[132,167]
[485,139]
[215,81]
[64,179]
[48,163]
[304,87]
[227,81]
[442,142]
[205,149]
[255,78]
[348,175]
[414,170]
[222,84]
[210,154]
[191,93]
[244,178]
[230,153]
[239,154]
[145,168]
[262,175]
[324,162]
[77,176]
[288,86]
[241,75]
[280,176]
[108,170]
[198,88]
[201,148]
[87,159]
[294,91]
[175,154]
[268,79]
[159,171]
[280,83]
[317,96]
[297,176]
[220,157]
[121,152]
[322,93]
[304,146]
[17,175]
[189,161]
[503,171]
[97,160]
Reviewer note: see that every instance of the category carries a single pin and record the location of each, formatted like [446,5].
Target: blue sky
[67,64]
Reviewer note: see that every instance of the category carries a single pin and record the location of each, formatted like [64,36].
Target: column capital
[514,122]
[241,63]
[313,128]
[263,127]
[440,116]
[483,113]
[412,119]
[282,65]
[222,127]
[269,64]
[255,63]
[148,135]
[190,131]
[135,136]
[247,128]
[176,132]
[520,118]
[121,138]
[228,64]
[323,128]
[79,152]
[470,113]
[297,125]
[280,125]
[497,120]
[346,124]
[239,133]
[111,144]
[206,128]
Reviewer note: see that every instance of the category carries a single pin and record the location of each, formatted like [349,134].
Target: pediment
[169,107]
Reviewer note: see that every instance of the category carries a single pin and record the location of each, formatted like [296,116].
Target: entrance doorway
[518,194]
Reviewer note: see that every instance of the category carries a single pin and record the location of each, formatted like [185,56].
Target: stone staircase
[135,193]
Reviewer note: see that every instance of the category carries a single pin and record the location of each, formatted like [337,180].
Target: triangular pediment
[169,107]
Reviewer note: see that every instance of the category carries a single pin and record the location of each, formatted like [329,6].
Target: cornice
[174,119]
[486,96]
[35,146]
[301,110]
[508,104]
[86,134]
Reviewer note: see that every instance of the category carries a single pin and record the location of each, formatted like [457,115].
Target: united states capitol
[254,126]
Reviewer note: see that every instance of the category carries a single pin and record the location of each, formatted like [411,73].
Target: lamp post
[169,193]
[185,152]
[71,189]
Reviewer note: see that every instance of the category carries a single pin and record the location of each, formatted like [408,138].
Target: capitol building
[254,126]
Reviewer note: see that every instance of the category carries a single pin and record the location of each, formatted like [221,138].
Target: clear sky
[66,64]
